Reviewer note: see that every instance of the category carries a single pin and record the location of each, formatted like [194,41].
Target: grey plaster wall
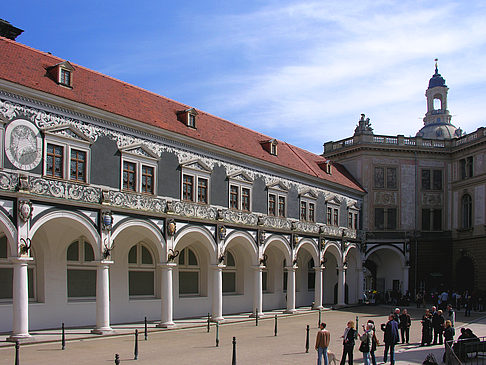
[259,202]
[293,204]
[219,186]
[105,163]
[169,176]
[321,209]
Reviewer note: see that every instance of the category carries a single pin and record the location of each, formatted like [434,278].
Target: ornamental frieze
[43,119]
[385,197]
[8,181]
[64,189]
[137,201]
[432,198]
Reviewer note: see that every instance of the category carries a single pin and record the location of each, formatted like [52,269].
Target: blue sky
[299,71]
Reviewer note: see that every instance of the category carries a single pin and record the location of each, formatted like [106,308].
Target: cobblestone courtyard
[255,345]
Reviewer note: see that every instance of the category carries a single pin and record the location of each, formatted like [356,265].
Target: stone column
[318,288]
[405,279]
[103,298]
[290,290]
[20,305]
[217,306]
[341,287]
[167,301]
[257,292]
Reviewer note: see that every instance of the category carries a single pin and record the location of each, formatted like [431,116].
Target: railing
[467,351]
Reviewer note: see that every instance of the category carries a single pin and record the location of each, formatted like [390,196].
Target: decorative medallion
[23,144]
[106,220]
[222,233]
[171,227]
[25,210]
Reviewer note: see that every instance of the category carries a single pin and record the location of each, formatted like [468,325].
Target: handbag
[364,347]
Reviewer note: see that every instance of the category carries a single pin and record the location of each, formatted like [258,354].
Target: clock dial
[23,144]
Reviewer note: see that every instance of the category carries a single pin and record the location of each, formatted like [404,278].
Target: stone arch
[334,249]
[8,228]
[245,240]
[77,220]
[387,247]
[202,235]
[310,246]
[281,243]
[152,233]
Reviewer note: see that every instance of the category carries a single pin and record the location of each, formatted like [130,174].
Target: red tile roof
[26,66]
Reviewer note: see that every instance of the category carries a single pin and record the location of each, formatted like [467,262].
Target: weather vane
[436,59]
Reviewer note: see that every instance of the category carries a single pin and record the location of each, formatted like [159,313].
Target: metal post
[117,359]
[256,318]
[135,352]
[17,351]
[233,361]
[275,330]
[217,334]
[145,328]
[209,321]
[357,327]
[63,338]
[320,321]
[307,340]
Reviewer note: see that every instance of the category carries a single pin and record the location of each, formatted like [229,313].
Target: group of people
[397,329]
[458,300]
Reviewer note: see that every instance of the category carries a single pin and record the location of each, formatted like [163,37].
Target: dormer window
[326,166]
[270,146]
[62,73]
[188,117]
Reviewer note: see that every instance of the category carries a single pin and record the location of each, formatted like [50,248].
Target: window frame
[333,208]
[467,211]
[241,181]
[80,264]
[307,200]
[68,145]
[432,180]
[231,269]
[280,192]
[385,219]
[189,268]
[386,169]
[198,170]
[133,154]
[139,266]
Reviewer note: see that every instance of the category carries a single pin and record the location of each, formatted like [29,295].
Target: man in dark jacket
[438,326]
[404,325]
[391,338]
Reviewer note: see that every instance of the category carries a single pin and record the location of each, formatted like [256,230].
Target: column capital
[258,267]
[318,268]
[104,262]
[20,260]
[167,265]
[291,268]
[218,266]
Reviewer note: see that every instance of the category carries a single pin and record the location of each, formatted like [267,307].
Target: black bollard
[117,359]
[320,321]
[307,340]
[233,361]
[135,352]
[256,318]
[17,352]
[63,338]
[145,328]
[209,321]
[275,329]
[357,328]
[217,334]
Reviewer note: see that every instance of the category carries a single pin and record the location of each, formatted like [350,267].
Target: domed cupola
[437,120]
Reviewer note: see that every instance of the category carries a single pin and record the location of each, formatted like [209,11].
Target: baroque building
[425,200]
[117,203]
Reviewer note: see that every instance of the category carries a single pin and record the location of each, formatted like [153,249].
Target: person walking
[322,343]
[450,315]
[348,343]
[438,325]
[426,328]
[404,325]
[374,342]
[448,337]
[366,342]
[391,338]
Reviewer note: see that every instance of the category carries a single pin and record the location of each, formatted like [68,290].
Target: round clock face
[23,144]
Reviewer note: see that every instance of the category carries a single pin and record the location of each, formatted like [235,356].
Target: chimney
[7,30]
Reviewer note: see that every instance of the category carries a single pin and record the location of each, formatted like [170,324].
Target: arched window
[311,275]
[6,273]
[466,207]
[229,274]
[188,272]
[141,271]
[81,273]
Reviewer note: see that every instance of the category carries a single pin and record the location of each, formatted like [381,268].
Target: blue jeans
[322,353]
[366,358]
[392,353]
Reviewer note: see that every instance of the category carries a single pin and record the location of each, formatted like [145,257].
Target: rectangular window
[65,77]
[312,215]
[336,217]
[350,220]
[129,176]
[55,161]
[329,216]
[234,197]
[229,282]
[437,180]
[303,211]
[271,204]
[391,219]
[437,219]
[281,206]
[470,166]
[462,168]
[379,177]
[78,165]
[379,218]
[81,283]
[147,179]
[191,121]
[264,280]
[426,219]
[189,282]
[355,221]
[285,279]
[311,280]
[391,178]
[187,187]
[141,283]
[202,190]
[425,179]
[245,199]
